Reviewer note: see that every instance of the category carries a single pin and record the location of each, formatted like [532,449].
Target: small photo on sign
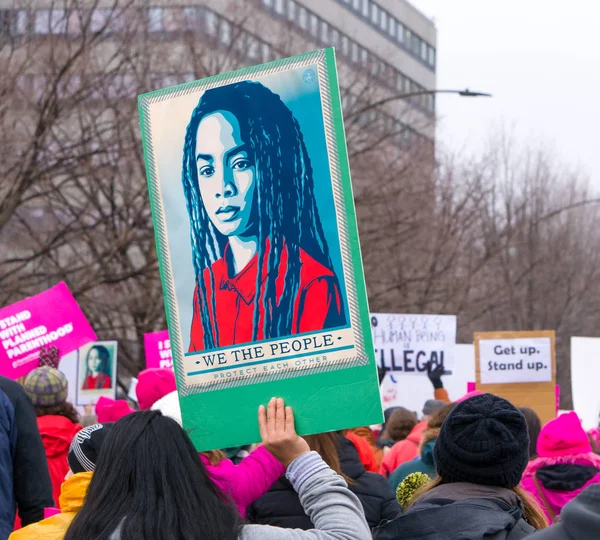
[96,371]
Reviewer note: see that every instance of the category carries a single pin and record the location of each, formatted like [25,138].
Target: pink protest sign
[158,350]
[49,318]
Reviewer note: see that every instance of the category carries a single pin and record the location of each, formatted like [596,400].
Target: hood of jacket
[427,453]
[57,433]
[560,478]
[73,491]
[417,433]
[460,511]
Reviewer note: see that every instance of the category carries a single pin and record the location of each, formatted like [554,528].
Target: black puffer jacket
[281,507]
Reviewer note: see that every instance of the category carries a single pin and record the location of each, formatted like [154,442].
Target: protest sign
[96,372]
[49,318]
[406,343]
[519,366]
[412,392]
[585,374]
[258,248]
[157,347]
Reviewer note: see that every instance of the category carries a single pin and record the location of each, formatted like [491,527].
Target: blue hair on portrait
[284,214]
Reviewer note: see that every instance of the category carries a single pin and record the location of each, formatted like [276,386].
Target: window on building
[354,51]
[392,26]
[225,34]
[292,7]
[314,25]
[280,7]
[17,20]
[423,51]
[268,3]
[400,32]
[431,57]
[383,20]
[155,20]
[345,45]
[266,55]
[253,48]
[335,37]
[364,56]
[173,19]
[374,13]
[356,4]
[212,23]
[325,32]
[366,7]
[303,18]
[190,18]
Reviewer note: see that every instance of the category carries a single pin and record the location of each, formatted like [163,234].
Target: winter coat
[72,497]
[566,465]
[403,451]
[579,520]
[248,480]
[557,480]
[57,433]
[424,464]
[460,511]
[29,481]
[332,507]
[282,507]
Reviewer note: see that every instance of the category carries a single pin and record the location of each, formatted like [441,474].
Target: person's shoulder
[54,527]
[13,390]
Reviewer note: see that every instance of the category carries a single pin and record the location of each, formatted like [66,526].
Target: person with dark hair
[25,484]
[425,463]
[565,467]
[98,369]
[534,426]
[149,483]
[261,259]
[281,505]
[244,482]
[57,419]
[82,458]
[480,455]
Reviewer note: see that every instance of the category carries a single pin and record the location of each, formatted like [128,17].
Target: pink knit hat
[563,436]
[153,384]
[110,410]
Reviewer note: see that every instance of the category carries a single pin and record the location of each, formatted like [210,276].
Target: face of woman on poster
[94,361]
[226,175]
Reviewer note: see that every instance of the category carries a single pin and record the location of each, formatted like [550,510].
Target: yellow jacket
[72,495]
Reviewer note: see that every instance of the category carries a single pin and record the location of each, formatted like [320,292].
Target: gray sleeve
[326,499]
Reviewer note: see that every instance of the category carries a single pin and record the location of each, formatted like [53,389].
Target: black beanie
[85,447]
[484,440]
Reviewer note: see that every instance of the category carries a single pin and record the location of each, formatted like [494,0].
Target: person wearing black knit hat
[82,457]
[480,454]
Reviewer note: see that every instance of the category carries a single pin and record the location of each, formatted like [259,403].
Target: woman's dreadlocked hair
[285,188]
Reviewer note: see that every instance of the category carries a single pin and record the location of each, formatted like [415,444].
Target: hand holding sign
[278,432]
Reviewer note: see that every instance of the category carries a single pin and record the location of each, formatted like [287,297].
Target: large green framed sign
[258,249]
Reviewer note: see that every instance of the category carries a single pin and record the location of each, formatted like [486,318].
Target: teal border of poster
[322,402]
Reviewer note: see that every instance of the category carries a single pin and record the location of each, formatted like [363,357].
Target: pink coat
[247,481]
[566,465]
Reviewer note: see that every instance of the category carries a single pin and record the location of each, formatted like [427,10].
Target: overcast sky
[541,61]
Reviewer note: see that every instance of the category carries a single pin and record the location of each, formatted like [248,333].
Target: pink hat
[110,410]
[153,384]
[563,436]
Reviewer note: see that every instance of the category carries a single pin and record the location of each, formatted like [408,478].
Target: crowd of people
[473,469]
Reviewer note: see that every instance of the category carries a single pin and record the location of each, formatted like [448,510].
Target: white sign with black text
[524,360]
[406,343]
